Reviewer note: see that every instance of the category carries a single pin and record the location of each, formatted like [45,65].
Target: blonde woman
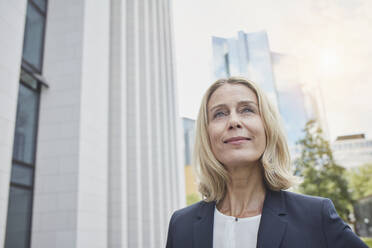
[242,164]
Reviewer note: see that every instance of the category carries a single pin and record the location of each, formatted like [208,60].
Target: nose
[234,121]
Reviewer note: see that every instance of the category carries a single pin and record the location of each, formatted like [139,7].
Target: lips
[236,139]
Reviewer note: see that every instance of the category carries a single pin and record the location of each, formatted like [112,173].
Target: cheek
[214,134]
[263,135]
[257,128]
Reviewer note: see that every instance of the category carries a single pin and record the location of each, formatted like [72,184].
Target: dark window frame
[39,84]
[23,163]
[32,168]
[34,4]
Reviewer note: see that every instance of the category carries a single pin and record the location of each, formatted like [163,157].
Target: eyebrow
[239,103]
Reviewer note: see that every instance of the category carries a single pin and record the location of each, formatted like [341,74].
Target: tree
[321,175]
[192,198]
[360,181]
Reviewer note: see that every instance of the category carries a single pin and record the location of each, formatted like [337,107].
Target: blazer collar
[273,220]
[203,227]
[270,232]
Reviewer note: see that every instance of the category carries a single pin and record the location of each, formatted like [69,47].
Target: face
[235,128]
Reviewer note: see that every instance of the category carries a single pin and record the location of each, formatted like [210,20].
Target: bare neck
[245,193]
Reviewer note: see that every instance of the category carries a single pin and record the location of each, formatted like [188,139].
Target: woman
[242,164]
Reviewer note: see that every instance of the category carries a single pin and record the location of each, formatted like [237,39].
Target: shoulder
[303,208]
[189,212]
[320,213]
[181,225]
[316,209]
[297,197]
[308,203]
[305,202]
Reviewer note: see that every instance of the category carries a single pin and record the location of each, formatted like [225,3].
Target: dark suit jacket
[288,220]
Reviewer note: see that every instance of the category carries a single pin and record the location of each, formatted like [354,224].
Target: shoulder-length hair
[212,177]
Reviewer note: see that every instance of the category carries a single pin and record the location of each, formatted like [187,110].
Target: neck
[245,192]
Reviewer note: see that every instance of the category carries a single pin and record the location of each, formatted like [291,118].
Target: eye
[247,110]
[219,114]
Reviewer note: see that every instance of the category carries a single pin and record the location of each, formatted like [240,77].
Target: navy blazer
[288,220]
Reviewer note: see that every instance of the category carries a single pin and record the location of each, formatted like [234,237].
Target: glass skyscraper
[249,55]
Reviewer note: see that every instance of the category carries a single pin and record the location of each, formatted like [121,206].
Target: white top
[231,232]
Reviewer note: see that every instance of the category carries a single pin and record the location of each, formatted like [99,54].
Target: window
[227,64]
[22,175]
[26,124]
[19,218]
[41,4]
[34,37]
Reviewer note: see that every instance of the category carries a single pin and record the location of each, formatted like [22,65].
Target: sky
[331,41]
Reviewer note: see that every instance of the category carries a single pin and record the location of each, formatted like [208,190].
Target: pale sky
[331,40]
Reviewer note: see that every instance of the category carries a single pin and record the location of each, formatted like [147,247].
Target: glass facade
[21,181]
[26,125]
[34,36]
[220,58]
[189,138]
[19,217]
[292,111]
[249,56]
[22,175]
[41,4]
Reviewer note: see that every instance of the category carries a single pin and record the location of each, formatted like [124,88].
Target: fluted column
[117,193]
[159,200]
[148,125]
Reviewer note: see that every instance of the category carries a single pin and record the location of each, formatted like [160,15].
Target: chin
[229,163]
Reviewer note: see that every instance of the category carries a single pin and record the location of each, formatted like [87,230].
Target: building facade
[249,55]
[291,96]
[351,151]
[192,194]
[90,152]
[189,138]
[315,107]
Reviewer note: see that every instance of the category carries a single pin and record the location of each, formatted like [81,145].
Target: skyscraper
[291,96]
[90,152]
[250,56]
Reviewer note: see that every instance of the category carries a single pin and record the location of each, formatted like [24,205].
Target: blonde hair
[212,177]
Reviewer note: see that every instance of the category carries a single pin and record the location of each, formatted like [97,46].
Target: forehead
[231,93]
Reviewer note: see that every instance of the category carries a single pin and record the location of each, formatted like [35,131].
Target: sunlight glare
[330,63]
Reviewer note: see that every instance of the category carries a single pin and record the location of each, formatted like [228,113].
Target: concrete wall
[93,148]
[70,199]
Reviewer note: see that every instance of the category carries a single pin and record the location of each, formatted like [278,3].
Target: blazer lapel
[273,221]
[203,227]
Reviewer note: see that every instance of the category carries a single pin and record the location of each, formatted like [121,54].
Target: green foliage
[360,181]
[368,241]
[192,198]
[321,175]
